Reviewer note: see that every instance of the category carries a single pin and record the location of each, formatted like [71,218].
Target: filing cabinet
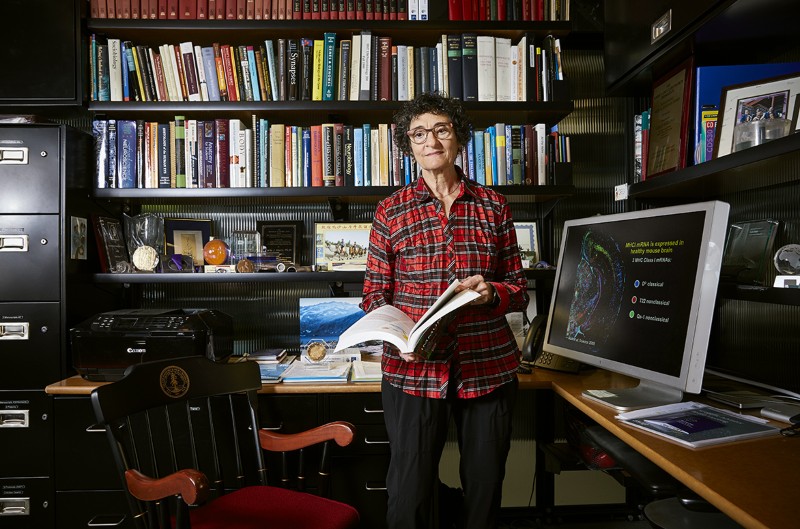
[43,170]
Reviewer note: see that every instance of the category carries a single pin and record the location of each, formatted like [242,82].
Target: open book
[392,325]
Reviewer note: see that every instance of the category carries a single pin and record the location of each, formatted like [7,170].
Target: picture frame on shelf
[340,246]
[111,247]
[284,237]
[187,237]
[669,121]
[755,113]
[528,242]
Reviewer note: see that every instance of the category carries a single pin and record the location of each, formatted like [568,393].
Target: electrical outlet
[621,192]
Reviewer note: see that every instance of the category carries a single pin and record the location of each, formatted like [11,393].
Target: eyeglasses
[442,131]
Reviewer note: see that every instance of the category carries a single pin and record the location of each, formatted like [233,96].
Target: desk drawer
[93,508]
[361,481]
[30,169]
[84,458]
[357,408]
[30,257]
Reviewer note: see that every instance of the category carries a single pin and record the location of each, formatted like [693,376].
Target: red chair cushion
[273,508]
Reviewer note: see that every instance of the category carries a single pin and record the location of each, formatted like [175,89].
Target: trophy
[144,233]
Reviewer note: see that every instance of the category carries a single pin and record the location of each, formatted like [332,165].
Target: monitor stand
[645,395]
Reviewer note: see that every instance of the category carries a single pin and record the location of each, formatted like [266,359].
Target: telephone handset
[533,355]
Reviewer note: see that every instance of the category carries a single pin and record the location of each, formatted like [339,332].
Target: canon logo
[133,350]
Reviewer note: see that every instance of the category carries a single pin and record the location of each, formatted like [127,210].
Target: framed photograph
[341,245]
[78,248]
[528,241]
[187,237]
[669,122]
[284,237]
[754,113]
[111,244]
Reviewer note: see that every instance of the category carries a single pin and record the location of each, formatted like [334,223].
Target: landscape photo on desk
[323,320]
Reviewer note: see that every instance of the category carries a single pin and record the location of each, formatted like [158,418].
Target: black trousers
[417,429]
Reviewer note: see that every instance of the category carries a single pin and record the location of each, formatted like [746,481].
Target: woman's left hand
[479,285]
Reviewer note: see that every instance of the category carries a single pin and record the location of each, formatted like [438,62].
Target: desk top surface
[753,481]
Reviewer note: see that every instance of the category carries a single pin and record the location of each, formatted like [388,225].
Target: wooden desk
[755,482]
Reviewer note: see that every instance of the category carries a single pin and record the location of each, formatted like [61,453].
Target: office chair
[184,434]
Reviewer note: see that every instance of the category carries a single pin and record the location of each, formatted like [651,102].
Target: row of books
[364,67]
[260,9]
[225,153]
[527,10]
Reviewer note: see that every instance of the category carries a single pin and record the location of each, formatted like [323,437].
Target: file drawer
[30,345]
[30,257]
[26,503]
[30,169]
[26,434]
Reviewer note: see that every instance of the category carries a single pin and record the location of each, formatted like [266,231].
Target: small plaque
[748,251]
[282,237]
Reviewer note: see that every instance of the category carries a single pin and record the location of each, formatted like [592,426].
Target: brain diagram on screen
[599,283]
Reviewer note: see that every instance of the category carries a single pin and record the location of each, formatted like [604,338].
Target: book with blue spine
[210,67]
[126,154]
[509,159]
[306,150]
[491,179]
[471,157]
[253,67]
[367,154]
[358,156]
[480,162]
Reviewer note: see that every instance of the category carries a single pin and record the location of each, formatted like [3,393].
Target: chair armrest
[190,484]
[340,431]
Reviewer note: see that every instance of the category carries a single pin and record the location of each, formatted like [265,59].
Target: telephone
[533,355]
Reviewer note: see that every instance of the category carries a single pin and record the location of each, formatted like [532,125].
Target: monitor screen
[634,293]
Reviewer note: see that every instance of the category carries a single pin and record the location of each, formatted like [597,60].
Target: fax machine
[106,344]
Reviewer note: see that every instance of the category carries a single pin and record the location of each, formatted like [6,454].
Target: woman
[435,230]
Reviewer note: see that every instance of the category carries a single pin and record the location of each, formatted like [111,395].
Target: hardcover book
[329,67]
[469,66]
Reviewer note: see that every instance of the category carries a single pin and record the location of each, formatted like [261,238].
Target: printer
[106,344]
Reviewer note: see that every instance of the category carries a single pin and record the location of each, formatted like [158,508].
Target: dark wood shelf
[776,296]
[309,112]
[266,277]
[370,194]
[766,165]
[248,31]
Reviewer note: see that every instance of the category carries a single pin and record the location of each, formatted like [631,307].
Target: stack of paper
[366,371]
[694,424]
[301,372]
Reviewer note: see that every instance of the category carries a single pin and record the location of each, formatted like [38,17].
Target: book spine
[317,70]
[343,70]
[126,153]
[486,68]
[364,77]
[316,156]
[222,153]
[329,67]
[469,66]
[358,156]
[164,153]
[385,69]
[179,151]
[255,85]
[306,65]
[277,155]
[101,147]
[293,69]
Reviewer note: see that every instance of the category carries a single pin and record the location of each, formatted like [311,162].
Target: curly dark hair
[433,103]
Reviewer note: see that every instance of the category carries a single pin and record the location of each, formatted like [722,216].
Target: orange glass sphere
[216,252]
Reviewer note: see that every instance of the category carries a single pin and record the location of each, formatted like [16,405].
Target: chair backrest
[165,416]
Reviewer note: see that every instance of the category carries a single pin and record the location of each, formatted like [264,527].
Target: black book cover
[469,66]
[394,73]
[455,87]
[293,69]
[373,69]
[306,65]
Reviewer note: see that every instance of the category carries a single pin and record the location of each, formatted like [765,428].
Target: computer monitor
[634,293]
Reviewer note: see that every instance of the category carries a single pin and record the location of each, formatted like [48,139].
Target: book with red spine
[111,8]
[225,55]
[297,9]
[454,10]
[402,9]
[306,15]
[241,9]
[202,9]
[172,9]
[316,156]
[385,69]
[324,10]
[315,7]
[222,154]
[136,11]
[123,9]
[369,13]
[187,9]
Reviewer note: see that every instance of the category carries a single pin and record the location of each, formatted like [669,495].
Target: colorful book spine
[329,67]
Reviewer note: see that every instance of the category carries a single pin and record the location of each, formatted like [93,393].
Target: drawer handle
[14,331]
[367,410]
[368,442]
[14,243]
[14,155]
[14,419]
[95,428]
[274,428]
[106,520]
[15,506]
[374,488]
